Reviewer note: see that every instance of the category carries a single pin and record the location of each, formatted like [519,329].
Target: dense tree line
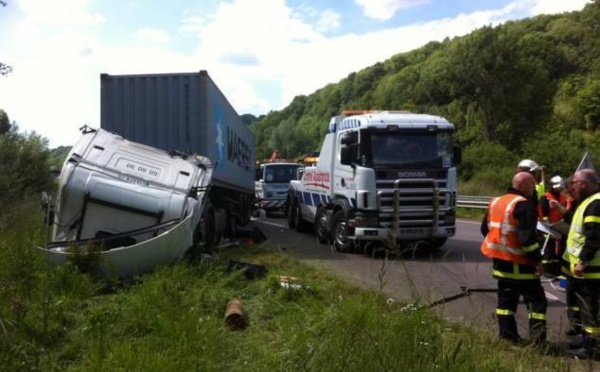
[524,89]
[24,167]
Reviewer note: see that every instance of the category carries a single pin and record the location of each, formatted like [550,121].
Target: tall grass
[54,319]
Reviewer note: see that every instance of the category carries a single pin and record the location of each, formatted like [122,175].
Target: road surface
[428,277]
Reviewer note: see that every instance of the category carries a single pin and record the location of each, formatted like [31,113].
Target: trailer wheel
[321,226]
[291,214]
[341,241]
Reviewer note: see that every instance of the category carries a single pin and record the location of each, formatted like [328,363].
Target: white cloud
[328,20]
[555,6]
[191,24]
[60,13]
[154,35]
[386,9]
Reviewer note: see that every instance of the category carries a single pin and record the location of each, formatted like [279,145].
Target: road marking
[471,222]
[270,223]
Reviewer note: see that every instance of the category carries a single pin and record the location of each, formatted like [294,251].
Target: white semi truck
[272,182]
[380,175]
[133,206]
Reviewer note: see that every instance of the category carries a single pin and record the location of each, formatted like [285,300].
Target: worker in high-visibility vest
[582,259]
[511,241]
[573,310]
[551,207]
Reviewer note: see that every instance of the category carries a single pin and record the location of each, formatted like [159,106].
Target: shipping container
[188,113]
[184,112]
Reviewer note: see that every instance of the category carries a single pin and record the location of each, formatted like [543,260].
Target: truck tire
[291,214]
[301,224]
[435,243]
[339,223]
[321,226]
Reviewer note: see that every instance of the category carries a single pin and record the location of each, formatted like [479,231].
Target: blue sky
[261,53]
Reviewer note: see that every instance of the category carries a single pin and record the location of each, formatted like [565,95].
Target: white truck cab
[379,173]
[272,182]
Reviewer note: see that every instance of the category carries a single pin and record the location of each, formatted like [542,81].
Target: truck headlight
[366,220]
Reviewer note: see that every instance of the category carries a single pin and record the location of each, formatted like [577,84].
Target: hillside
[524,89]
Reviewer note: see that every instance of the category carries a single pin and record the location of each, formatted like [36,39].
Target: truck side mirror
[457,155]
[299,173]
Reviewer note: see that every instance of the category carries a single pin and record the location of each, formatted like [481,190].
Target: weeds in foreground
[172,320]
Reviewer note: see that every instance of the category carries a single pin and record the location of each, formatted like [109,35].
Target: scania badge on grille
[405,174]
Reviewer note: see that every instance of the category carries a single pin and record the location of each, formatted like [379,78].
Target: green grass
[474,214]
[55,319]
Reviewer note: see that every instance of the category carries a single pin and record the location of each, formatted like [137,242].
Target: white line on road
[270,223]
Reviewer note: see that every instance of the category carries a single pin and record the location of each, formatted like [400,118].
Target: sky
[261,53]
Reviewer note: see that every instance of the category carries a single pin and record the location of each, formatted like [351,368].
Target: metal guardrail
[477,202]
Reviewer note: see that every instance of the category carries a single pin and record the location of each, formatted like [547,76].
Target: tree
[4,122]
[289,139]
[23,165]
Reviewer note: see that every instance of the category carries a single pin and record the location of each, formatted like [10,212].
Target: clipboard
[557,229]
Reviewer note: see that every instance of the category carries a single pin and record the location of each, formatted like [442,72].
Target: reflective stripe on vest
[576,238]
[502,240]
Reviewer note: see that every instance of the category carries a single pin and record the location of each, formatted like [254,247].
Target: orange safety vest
[554,214]
[502,240]
[570,201]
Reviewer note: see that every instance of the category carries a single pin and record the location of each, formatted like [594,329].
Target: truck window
[349,145]
[417,148]
[281,173]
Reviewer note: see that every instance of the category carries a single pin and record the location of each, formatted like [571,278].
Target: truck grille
[421,204]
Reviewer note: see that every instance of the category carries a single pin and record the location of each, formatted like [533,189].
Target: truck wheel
[301,225]
[291,214]
[321,228]
[341,242]
[436,243]
[204,235]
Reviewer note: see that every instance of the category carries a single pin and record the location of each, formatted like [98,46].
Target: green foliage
[492,156]
[4,122]
[24,168]
[57,157]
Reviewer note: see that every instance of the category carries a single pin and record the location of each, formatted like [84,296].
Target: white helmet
[528,165]
[557,182]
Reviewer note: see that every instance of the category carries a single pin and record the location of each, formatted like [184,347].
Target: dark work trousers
[588,293]
[534,297]
[551,259]
[573,309]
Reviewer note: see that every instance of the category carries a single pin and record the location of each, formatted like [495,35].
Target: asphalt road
[428,277]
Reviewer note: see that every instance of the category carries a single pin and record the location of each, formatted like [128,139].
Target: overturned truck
[127,206]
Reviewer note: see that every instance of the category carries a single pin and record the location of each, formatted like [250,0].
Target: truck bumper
[375,233]
[271,205]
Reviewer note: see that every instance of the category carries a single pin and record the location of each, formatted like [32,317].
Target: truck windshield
[409,149]
[280,173]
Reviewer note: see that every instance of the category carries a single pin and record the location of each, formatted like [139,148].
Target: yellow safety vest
[540,189]
[576,239]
